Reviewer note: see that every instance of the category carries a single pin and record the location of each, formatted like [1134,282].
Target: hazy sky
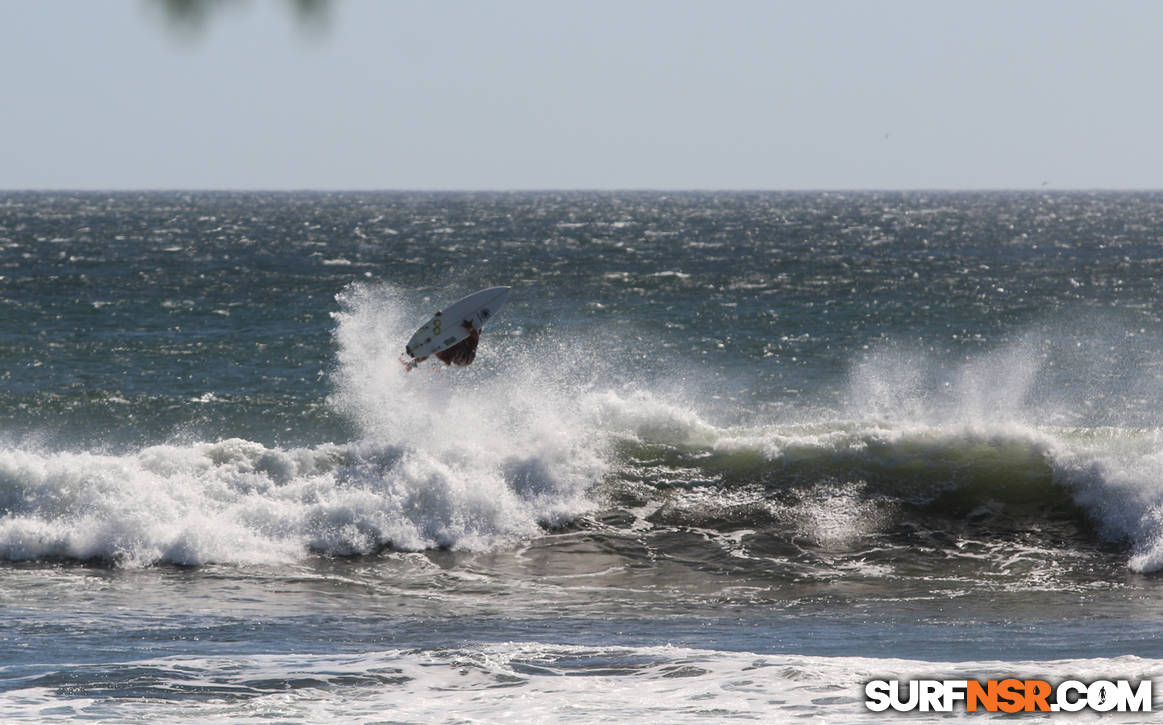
[592,94]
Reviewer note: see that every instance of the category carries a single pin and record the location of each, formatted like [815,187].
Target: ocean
[721,457]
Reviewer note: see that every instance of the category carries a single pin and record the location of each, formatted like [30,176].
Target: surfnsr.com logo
[1008,695]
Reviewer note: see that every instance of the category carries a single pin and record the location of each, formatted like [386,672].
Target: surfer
[462,353]
[456,344]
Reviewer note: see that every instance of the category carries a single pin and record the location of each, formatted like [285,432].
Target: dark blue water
[770,445]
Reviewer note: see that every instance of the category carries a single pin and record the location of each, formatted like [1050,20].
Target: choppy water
[721,455]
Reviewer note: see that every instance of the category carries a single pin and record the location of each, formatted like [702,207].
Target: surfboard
[445,329]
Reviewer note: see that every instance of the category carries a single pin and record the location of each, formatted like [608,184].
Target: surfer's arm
[410,365]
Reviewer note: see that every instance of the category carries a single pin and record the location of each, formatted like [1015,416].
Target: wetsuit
[463,352]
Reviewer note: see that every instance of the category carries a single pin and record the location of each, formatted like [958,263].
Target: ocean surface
[721,457]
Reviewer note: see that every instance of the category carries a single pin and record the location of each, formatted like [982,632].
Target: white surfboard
[445,329]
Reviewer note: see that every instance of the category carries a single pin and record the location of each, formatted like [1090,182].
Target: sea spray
[919,442]
[443,461]
[1113,472]
[523,422]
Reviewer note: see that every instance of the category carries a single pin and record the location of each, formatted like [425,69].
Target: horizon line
[584,190]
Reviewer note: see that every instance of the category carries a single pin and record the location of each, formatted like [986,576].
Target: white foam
[545,413]
[1117,477]
[534,682]
[834,516]
[468,458]
[1015,394]
[907,413]
[479,457]
[236,501]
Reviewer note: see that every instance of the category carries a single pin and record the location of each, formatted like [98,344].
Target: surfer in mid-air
[462,353]
[455,345]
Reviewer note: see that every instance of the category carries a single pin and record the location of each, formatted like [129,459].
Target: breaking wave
[445,460]
[990,443]
[542,435]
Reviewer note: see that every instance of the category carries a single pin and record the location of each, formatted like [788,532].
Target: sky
[600,94]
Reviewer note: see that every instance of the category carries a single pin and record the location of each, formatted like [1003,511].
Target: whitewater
[477,459]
